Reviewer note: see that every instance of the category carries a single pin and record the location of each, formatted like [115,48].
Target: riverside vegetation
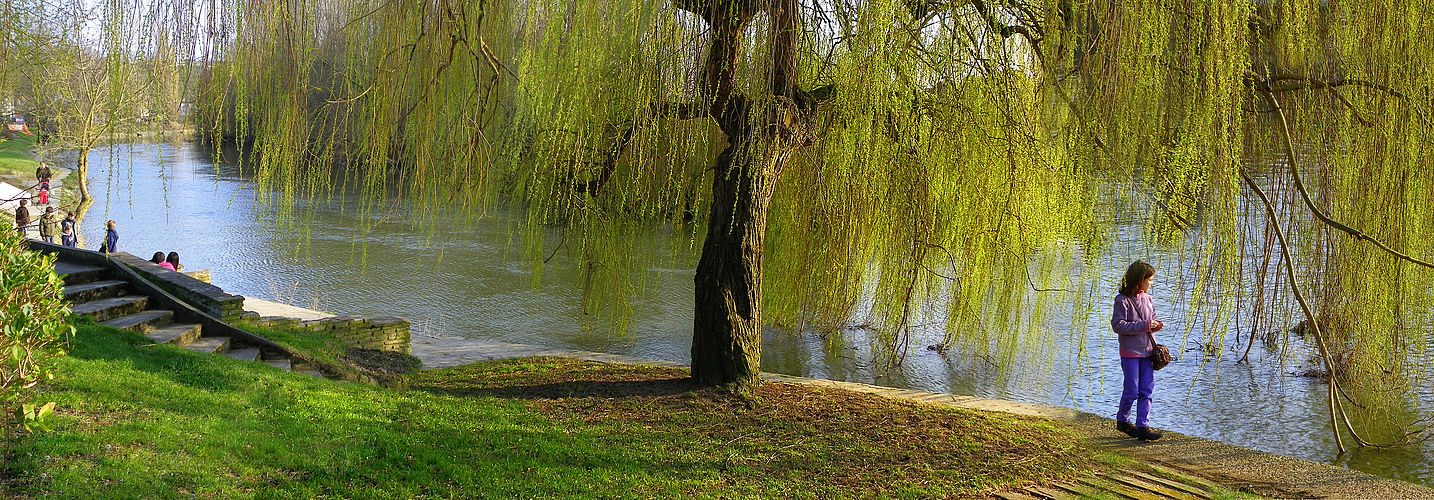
[141,420]
[32,330]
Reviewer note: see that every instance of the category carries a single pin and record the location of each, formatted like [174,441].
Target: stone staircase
[92,292]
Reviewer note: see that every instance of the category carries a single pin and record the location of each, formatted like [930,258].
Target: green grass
[15,156]
[320,346]
[145,421]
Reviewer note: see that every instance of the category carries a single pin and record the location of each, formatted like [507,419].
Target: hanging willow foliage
[963,157]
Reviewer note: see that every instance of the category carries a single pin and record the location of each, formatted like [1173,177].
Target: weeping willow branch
[1304,306]
[671,110]
[1336,404]
[1304,193]
[1286,82]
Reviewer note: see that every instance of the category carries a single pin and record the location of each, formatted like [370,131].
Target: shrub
[33,330]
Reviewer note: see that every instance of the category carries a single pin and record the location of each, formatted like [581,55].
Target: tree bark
[727,324]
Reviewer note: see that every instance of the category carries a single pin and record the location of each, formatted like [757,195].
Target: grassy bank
[15,157]
[141,421]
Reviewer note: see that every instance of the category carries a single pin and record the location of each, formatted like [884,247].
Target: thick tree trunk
[727,324]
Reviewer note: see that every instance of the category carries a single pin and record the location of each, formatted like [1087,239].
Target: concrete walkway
[1232,466]
[23,184]
[270,308]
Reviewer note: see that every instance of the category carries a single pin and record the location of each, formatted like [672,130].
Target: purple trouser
[1139,382]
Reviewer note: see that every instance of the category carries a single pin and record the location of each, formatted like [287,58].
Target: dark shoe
[1145,434]
[1125,427]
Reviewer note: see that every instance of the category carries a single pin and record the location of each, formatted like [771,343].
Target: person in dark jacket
[22,218]
[67,231]
[43,174]
[48,225]
[111,238]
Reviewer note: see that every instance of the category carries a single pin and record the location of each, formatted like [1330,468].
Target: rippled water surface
[465,280]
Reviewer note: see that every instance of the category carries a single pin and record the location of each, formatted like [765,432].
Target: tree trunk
[727,324]
[82,174]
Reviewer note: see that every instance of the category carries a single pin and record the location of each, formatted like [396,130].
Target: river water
[466,280]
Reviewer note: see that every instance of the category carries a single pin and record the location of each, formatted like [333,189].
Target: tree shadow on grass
[575,389]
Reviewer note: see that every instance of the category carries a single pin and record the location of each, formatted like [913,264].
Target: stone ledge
[206,297]
[383,333]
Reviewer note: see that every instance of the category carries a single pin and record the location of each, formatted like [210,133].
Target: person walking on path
[111,238]
[1134,320]
[48,225]
[22,218]
[43,174]
[67,231]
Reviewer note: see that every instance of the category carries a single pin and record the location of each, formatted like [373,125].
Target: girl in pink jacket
[1134,321]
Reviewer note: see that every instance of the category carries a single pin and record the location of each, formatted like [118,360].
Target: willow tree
[956,160]
[93,71]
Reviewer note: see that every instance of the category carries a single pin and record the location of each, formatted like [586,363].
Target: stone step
[282,364]
[1185,488]
[74,274]
[144,322]
[312,373]
[180,334]
[1050,493]
[111,308]
[1121,490]
[1141,485]
[243,354]
[88,292]
[211,345]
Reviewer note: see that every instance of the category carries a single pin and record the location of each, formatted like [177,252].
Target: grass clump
[146,421]
[320,346]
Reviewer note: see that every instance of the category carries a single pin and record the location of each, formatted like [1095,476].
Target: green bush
[33,330]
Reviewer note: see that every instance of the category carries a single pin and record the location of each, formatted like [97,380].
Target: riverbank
[1230,466]
[1233,467]
[137,420]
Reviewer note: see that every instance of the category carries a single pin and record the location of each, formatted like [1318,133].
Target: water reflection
[463,279]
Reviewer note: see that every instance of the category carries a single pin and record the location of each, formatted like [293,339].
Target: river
[466,280]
